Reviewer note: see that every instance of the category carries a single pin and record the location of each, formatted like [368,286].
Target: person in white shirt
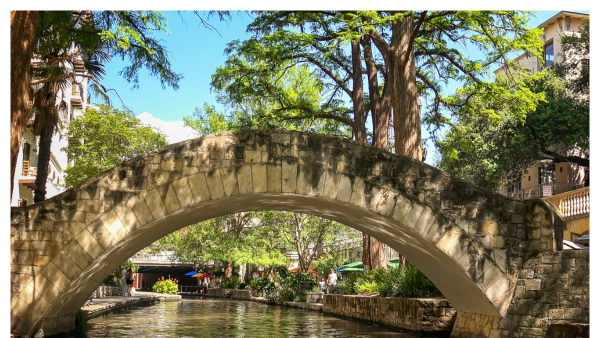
[331,279]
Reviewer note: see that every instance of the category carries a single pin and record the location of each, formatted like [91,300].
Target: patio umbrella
[203,276]
[312,272]
[191,273]
[354,266]
[345,269]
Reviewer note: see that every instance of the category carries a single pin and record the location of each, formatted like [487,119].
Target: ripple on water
[228,318]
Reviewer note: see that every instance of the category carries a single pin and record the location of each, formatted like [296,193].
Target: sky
[196,51]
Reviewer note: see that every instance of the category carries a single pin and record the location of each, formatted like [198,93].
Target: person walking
[124,281]
[331,279]
[130,278]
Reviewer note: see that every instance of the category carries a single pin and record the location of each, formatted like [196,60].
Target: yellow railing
[572,203]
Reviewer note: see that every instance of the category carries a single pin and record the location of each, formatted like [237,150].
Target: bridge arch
[468,241]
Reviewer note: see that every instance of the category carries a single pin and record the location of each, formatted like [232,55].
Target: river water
[229,318]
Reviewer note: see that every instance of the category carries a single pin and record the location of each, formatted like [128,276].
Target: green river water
[229,318]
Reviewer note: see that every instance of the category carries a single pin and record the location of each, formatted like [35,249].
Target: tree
[310,236]
[494,149]
[104,34]
[415,53]
[22,39]
[104,137]
[496,138]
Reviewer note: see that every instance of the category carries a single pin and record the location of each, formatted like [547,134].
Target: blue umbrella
[191,273]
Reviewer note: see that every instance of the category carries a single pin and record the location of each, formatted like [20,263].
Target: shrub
[230,282]
[81,321]
[324,264]
[165,286]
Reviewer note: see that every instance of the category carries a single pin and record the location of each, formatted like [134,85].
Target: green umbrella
[354,265]
[395,260]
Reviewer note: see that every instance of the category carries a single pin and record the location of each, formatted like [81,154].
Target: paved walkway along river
[100,306]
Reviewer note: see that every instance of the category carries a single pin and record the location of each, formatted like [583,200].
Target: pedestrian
[130,278]
[331,279]
[323,285]
[124,280]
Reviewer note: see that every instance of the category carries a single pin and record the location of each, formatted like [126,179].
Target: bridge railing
[572,203]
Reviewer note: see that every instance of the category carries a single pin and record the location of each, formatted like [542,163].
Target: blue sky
[196,53]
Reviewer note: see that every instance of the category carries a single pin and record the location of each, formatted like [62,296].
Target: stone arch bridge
[470,242]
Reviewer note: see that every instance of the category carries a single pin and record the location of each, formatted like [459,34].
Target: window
[549,54]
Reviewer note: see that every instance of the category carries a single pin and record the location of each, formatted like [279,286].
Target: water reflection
[225,318]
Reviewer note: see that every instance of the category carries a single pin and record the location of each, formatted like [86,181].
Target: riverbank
[100,306]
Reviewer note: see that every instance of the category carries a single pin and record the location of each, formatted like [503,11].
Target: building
[548,178]
[564,184]
[71,102]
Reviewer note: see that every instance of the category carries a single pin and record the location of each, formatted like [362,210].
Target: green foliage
[230,283]
[103,138]
[165,286]
[407,282]
[81,321]
[494,141]
[327,262]
[114,279]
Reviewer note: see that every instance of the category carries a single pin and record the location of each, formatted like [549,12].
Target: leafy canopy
[103,138]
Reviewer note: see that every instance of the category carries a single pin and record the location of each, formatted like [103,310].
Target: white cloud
[176,131]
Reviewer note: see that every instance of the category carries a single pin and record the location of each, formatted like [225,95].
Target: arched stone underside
[468,241]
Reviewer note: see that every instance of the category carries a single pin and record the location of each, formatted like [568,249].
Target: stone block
[169,198]
[358,192]
[140,209]
[413,215]
[112,222]
[67,265]
[274,177]
[199,187]
[533,284]
[401,208]
[489,227]
[383,200]
[449,238]
[102,234]
[78,254]
[344,192]
[20,245]
[155,203]
[244,179]
[311,180]
[426,220]
[55,276]
[289,174]
[252,157]
[41,260]
[230,182]
[259,177]
[45,288]
[89,243]
[215,184]
[183,191]
[280,138]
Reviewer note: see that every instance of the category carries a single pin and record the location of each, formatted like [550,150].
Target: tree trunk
[229,269]
[380,106]
[44,124]
[360,131]
[23,26]
[405,104]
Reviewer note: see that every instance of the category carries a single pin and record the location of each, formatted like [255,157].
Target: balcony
[538,190]
[572,204]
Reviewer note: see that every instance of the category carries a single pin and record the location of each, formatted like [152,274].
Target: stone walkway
[107,304]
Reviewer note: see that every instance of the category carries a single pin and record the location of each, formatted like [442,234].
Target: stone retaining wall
[314,297]
[106,291]
[552,289]
[219,293]
[241,294]
[406,313]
